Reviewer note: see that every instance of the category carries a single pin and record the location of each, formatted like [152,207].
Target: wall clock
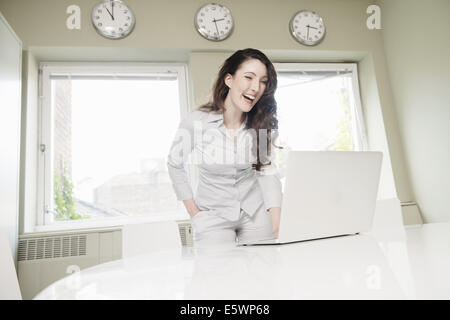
[214,22]
[113,19]
[307,27]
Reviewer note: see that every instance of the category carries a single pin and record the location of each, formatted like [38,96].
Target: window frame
[359,125]
[45,216]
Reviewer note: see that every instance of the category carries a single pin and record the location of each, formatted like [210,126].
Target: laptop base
[271,242]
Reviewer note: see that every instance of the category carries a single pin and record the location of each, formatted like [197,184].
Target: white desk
[357,267]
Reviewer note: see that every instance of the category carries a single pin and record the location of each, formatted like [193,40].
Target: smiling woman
[238,185]
[248,84]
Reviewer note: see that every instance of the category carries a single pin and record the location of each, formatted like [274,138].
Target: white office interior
[403,75]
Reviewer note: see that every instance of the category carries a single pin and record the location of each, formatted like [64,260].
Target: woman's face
[247,85]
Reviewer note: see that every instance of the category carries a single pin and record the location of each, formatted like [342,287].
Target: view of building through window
[111,139]
[315,112]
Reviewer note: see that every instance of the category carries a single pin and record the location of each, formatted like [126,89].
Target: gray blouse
[227,182]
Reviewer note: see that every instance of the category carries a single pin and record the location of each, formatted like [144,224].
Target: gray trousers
[211,229]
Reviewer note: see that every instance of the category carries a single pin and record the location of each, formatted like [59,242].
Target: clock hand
[112,9]
[109,13]
[307,35]
[313,27]
[220,19]
[215,22]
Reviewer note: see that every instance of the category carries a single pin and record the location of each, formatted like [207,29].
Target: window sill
[63,226]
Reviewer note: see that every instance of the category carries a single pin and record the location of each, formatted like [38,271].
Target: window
[105,133]
[319,108]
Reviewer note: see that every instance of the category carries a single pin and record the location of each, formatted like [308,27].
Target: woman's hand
[275,213]
[191,207]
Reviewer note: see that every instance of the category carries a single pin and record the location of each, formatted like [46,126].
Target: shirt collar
[215,117]
[218,118]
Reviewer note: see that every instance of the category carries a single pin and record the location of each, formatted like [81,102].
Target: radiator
[185,233]
[47,258]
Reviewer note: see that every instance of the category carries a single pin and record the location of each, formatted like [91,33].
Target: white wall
[376,131]
[29,144]
[416,37]
[10,104]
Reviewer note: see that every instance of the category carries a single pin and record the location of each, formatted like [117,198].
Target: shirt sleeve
[182,146]
[269,180]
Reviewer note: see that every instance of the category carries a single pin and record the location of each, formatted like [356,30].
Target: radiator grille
[52,247]
[185,234]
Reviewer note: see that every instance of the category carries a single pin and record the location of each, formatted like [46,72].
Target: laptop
[327,194]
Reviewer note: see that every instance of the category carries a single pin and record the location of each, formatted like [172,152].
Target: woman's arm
[270,183]
[271,190]
[275,213]
[182,146]
[191,207]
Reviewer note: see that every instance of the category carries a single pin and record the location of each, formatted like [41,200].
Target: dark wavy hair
[263,115]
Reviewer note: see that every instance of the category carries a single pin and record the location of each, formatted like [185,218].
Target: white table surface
[412,265]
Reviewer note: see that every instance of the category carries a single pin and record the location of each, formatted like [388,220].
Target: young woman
[230,138]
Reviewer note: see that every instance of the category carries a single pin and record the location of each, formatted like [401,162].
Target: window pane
[111,139]
[316,112]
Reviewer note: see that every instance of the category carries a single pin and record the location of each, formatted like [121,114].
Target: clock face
[113,19]
[214,22]
[307,27]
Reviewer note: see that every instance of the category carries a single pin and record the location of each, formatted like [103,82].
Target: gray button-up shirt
[227,181]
